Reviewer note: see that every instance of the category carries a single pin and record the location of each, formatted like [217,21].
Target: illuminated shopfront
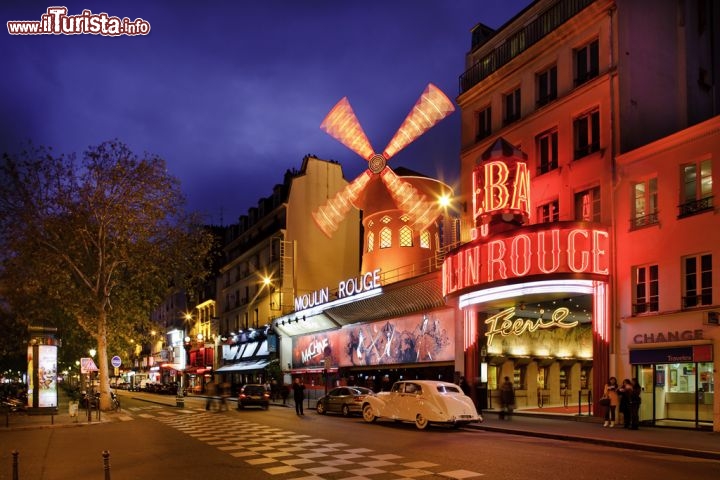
[533,297]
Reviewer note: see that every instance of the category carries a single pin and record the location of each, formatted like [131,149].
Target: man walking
[299,395]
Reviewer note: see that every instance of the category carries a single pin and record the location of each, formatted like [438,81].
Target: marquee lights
[529,288]
[568,249]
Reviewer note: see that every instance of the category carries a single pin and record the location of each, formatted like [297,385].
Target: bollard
[106,463]
[15,454]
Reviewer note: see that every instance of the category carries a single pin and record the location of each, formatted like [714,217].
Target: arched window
[370,241]
[406,236]
[385,238]
[425,239]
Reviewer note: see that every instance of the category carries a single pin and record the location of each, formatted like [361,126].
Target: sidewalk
[691,443]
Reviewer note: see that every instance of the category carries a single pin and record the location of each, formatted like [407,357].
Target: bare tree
[102,239]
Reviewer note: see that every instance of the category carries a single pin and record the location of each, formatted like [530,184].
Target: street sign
[87,365]
[116,362]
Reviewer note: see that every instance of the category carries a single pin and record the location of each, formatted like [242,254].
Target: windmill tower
[400,211]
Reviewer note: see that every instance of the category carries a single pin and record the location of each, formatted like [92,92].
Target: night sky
[232,94]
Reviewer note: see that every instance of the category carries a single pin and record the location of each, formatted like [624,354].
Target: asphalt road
[148,441]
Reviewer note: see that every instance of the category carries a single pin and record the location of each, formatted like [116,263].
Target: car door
[336,398]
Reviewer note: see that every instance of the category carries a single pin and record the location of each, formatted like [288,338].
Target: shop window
[549,212]
[587,62]
[256,318]
[370,241]
[385,238]
[697,288]
[645,204]
[546,82]
[492,377]
[547,151]
[586,131]
[565,379]
[512,106]
[696,189]
[587,205]
[646,289]
[483,121]
[425,239]
[245,324]
[406,236]
[542,378]
[584,378]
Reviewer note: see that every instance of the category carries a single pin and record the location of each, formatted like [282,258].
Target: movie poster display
[417,338]
[47,376]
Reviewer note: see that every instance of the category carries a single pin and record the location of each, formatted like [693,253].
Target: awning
[243,366]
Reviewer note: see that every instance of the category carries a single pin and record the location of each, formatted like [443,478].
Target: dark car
[254,395]
[345,400]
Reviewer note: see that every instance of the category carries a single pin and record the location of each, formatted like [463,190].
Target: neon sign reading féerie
[346,288]
[570,247]
[518,326]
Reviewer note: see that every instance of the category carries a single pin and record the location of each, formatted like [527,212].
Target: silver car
[345,400]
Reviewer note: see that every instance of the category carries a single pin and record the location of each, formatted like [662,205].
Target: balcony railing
[644,221]
[695,206]
[645,307]
[690,301]
[546,22]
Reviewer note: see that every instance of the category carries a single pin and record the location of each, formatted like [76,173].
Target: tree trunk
[104,375]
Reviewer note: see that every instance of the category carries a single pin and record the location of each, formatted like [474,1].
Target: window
[646,289]
[256,318]
[550,212]
[697,270]
[370,241]
[512,106]
[696,194]
[586,63]
[425,239]
[547,145]
[385,238]
[484,123]
[245,324]
[586,129]
[587,205]
[645,202]
[406,236]
[546,86]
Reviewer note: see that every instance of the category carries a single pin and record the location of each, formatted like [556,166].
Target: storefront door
[677,394]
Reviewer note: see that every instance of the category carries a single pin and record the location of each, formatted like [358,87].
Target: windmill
[342,124]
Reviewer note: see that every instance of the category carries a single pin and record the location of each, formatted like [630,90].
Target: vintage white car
[423,402]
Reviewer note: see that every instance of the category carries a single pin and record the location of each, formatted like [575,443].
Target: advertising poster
[412,339]
[47,376]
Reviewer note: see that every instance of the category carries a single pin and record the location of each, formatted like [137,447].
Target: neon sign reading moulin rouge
[346,288]
[570,248]
[518,326]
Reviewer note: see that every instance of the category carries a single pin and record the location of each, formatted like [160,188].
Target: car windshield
[254,390]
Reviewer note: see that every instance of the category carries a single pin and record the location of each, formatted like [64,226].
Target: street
[148,440]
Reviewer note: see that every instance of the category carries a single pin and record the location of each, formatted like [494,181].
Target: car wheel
[368,414]
[320,408]
[346,411]
[421,422]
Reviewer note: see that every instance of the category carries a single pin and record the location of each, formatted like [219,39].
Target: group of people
[624,398]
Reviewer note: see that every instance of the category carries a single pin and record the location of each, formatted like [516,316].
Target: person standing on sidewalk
[611,392]
[625,392]
[635,405]
[299,396]
[507,399]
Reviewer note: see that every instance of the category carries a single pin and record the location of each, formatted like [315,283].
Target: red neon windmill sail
[342,124]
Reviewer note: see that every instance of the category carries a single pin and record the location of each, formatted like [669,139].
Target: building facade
[553,98]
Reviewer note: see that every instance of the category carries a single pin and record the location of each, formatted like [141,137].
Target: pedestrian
[635,401]
[210,392]
[610,392]
[299,395]
[224,391]
[464,386]
[507,399]
[625,392]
